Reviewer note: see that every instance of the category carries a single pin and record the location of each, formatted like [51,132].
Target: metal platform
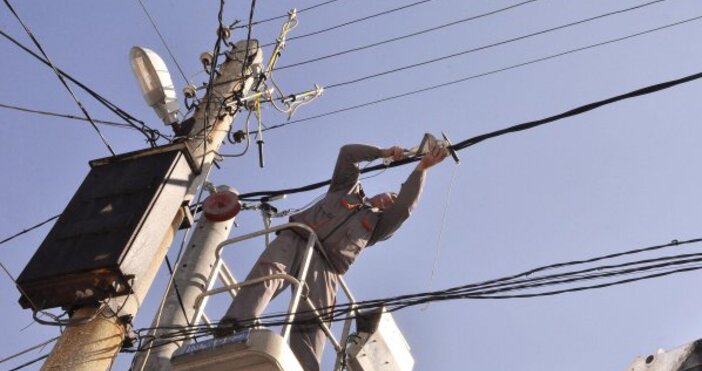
[251,350]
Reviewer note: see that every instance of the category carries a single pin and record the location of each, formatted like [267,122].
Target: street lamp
[156,84]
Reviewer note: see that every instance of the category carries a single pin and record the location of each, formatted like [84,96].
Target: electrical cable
[163,41]
[439,237]
[29,229]
[357,20]
[151,134]
[500,288]
[30,362]
[485,47]
[512,129]
[64,115]
[484,74]
[41,345]
[60,77]
[284,15]
[469,142]
[406,36]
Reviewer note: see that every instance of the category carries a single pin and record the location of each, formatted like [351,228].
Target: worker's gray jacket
[343,221]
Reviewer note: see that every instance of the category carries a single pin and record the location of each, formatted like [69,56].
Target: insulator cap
[221,206]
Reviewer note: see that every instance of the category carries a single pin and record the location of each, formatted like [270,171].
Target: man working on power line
[345,222]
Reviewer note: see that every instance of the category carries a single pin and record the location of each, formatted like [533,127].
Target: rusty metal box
[93,251]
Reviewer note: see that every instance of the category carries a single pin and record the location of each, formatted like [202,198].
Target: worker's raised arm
[407,199]
[346,171]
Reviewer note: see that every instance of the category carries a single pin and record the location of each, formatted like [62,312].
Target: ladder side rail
[297,292]
[227,278]
[200,304]
[324,326]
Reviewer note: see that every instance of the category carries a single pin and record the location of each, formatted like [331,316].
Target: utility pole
[96,333]
[191,278]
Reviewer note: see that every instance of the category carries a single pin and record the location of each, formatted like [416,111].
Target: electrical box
[687,357]
[378,344]
[116,219]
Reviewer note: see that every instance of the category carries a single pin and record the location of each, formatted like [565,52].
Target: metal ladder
[222,273]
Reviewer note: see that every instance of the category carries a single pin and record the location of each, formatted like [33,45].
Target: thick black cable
[29,229]
[151,134]
[485,47]
[505,285]
[357,20]
[512,129]
[577,111]
[60,77]
[284,15]
[64,115]
[403,37]
[483,291]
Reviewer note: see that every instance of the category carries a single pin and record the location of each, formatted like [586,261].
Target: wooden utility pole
[96,334]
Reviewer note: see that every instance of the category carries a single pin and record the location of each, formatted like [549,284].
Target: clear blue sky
[621,177]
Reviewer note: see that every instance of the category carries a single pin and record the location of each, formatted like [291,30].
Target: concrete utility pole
[191,278]
[95,336]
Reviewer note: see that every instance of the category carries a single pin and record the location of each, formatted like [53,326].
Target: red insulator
[221,206]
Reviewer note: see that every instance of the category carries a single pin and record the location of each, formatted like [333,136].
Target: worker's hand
[435,155]
[395,152]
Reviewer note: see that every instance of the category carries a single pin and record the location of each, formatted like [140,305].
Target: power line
[512,129]
[30,362]
[357,20]
[484,74]
[285,15]
[472,141]
[64,115]
[163,40]
[485,47]
[41,345]
[406,36]
[60,77]
[469,142]
[29,229]
[151,134]
[500,288]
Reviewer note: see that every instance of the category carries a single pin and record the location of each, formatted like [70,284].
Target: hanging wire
[386,12]
[439,238]
[29,229]
[64,115]
[406,36]
[163,41]
[60,77]
[284,15]
[484,47]
[38,346]
[151,134]
[30,363]
[484,74]
[508,287]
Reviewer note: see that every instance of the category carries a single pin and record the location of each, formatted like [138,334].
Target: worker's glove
[394,153]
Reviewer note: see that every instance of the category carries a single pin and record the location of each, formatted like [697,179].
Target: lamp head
[155,83]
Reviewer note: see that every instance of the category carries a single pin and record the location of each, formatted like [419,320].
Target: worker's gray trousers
[285,255]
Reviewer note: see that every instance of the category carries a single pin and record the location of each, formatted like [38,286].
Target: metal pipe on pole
[190,278]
